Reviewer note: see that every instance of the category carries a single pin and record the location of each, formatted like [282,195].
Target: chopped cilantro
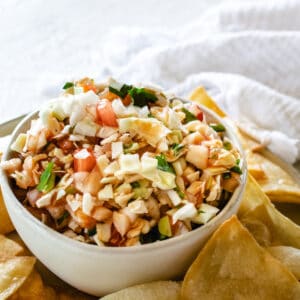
[189,116]
[150,115]
[47,180]
[217,127]
[135,184]
[141,97]
[164,165]
[150,237]
[61,219]
[92,231]
[227,175]
[176,148]
[68,85]
[122,92]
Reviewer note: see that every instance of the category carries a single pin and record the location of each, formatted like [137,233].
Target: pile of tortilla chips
[254,255]
[19,276]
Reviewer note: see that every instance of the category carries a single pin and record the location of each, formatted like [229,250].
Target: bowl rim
[235,199]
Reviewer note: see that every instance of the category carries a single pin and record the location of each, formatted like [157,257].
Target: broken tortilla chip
[8,248]
[13,273]
[32,288]
[167,290]
[6,225]
[289,256]
[233,266]
[200,96]
[278,179]
[14,236]
[264,221]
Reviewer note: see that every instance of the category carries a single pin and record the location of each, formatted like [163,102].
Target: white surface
[51,42]
[44,43]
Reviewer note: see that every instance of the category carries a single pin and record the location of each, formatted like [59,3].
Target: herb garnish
[179,192]
[163,164]
[61,219]
[47,180]
[237,168]
[141,97]
[188,115]
[227,175]
[176,148]
[92,231]
[68,85]
[217,127]
[122,92]
[227,146]
[135,184]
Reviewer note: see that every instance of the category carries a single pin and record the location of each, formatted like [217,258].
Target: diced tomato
[127,100]
[198,112]
[84,161]
[200,116]
[105,114]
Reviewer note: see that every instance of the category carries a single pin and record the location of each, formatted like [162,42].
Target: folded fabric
[246,55]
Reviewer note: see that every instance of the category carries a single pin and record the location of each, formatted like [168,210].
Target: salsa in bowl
[140,178]
[119,165]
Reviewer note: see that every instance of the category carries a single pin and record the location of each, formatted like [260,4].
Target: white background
[44,43]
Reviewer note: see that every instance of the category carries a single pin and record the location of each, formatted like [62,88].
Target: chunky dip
[119,165]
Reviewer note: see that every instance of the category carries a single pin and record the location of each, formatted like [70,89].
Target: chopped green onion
[47,180]
[217,127]
[68,85]
[163,164]
[61,219]
[189,116]
[236,169]
[179,192]
[176,148]
[150,115]
[227,146]
[141,97]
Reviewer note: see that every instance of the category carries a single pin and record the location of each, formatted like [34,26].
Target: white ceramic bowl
[99,271]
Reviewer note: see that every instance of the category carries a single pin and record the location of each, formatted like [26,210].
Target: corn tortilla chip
[289,256]
[8,248]
[14,236]
[13,274]
[49,293]
[159,290]
[233,266]
[200,96]
[264,221]
[276,177]
[31,289]
[6,225]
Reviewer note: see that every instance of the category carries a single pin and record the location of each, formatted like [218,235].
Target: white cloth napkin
[246,55]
